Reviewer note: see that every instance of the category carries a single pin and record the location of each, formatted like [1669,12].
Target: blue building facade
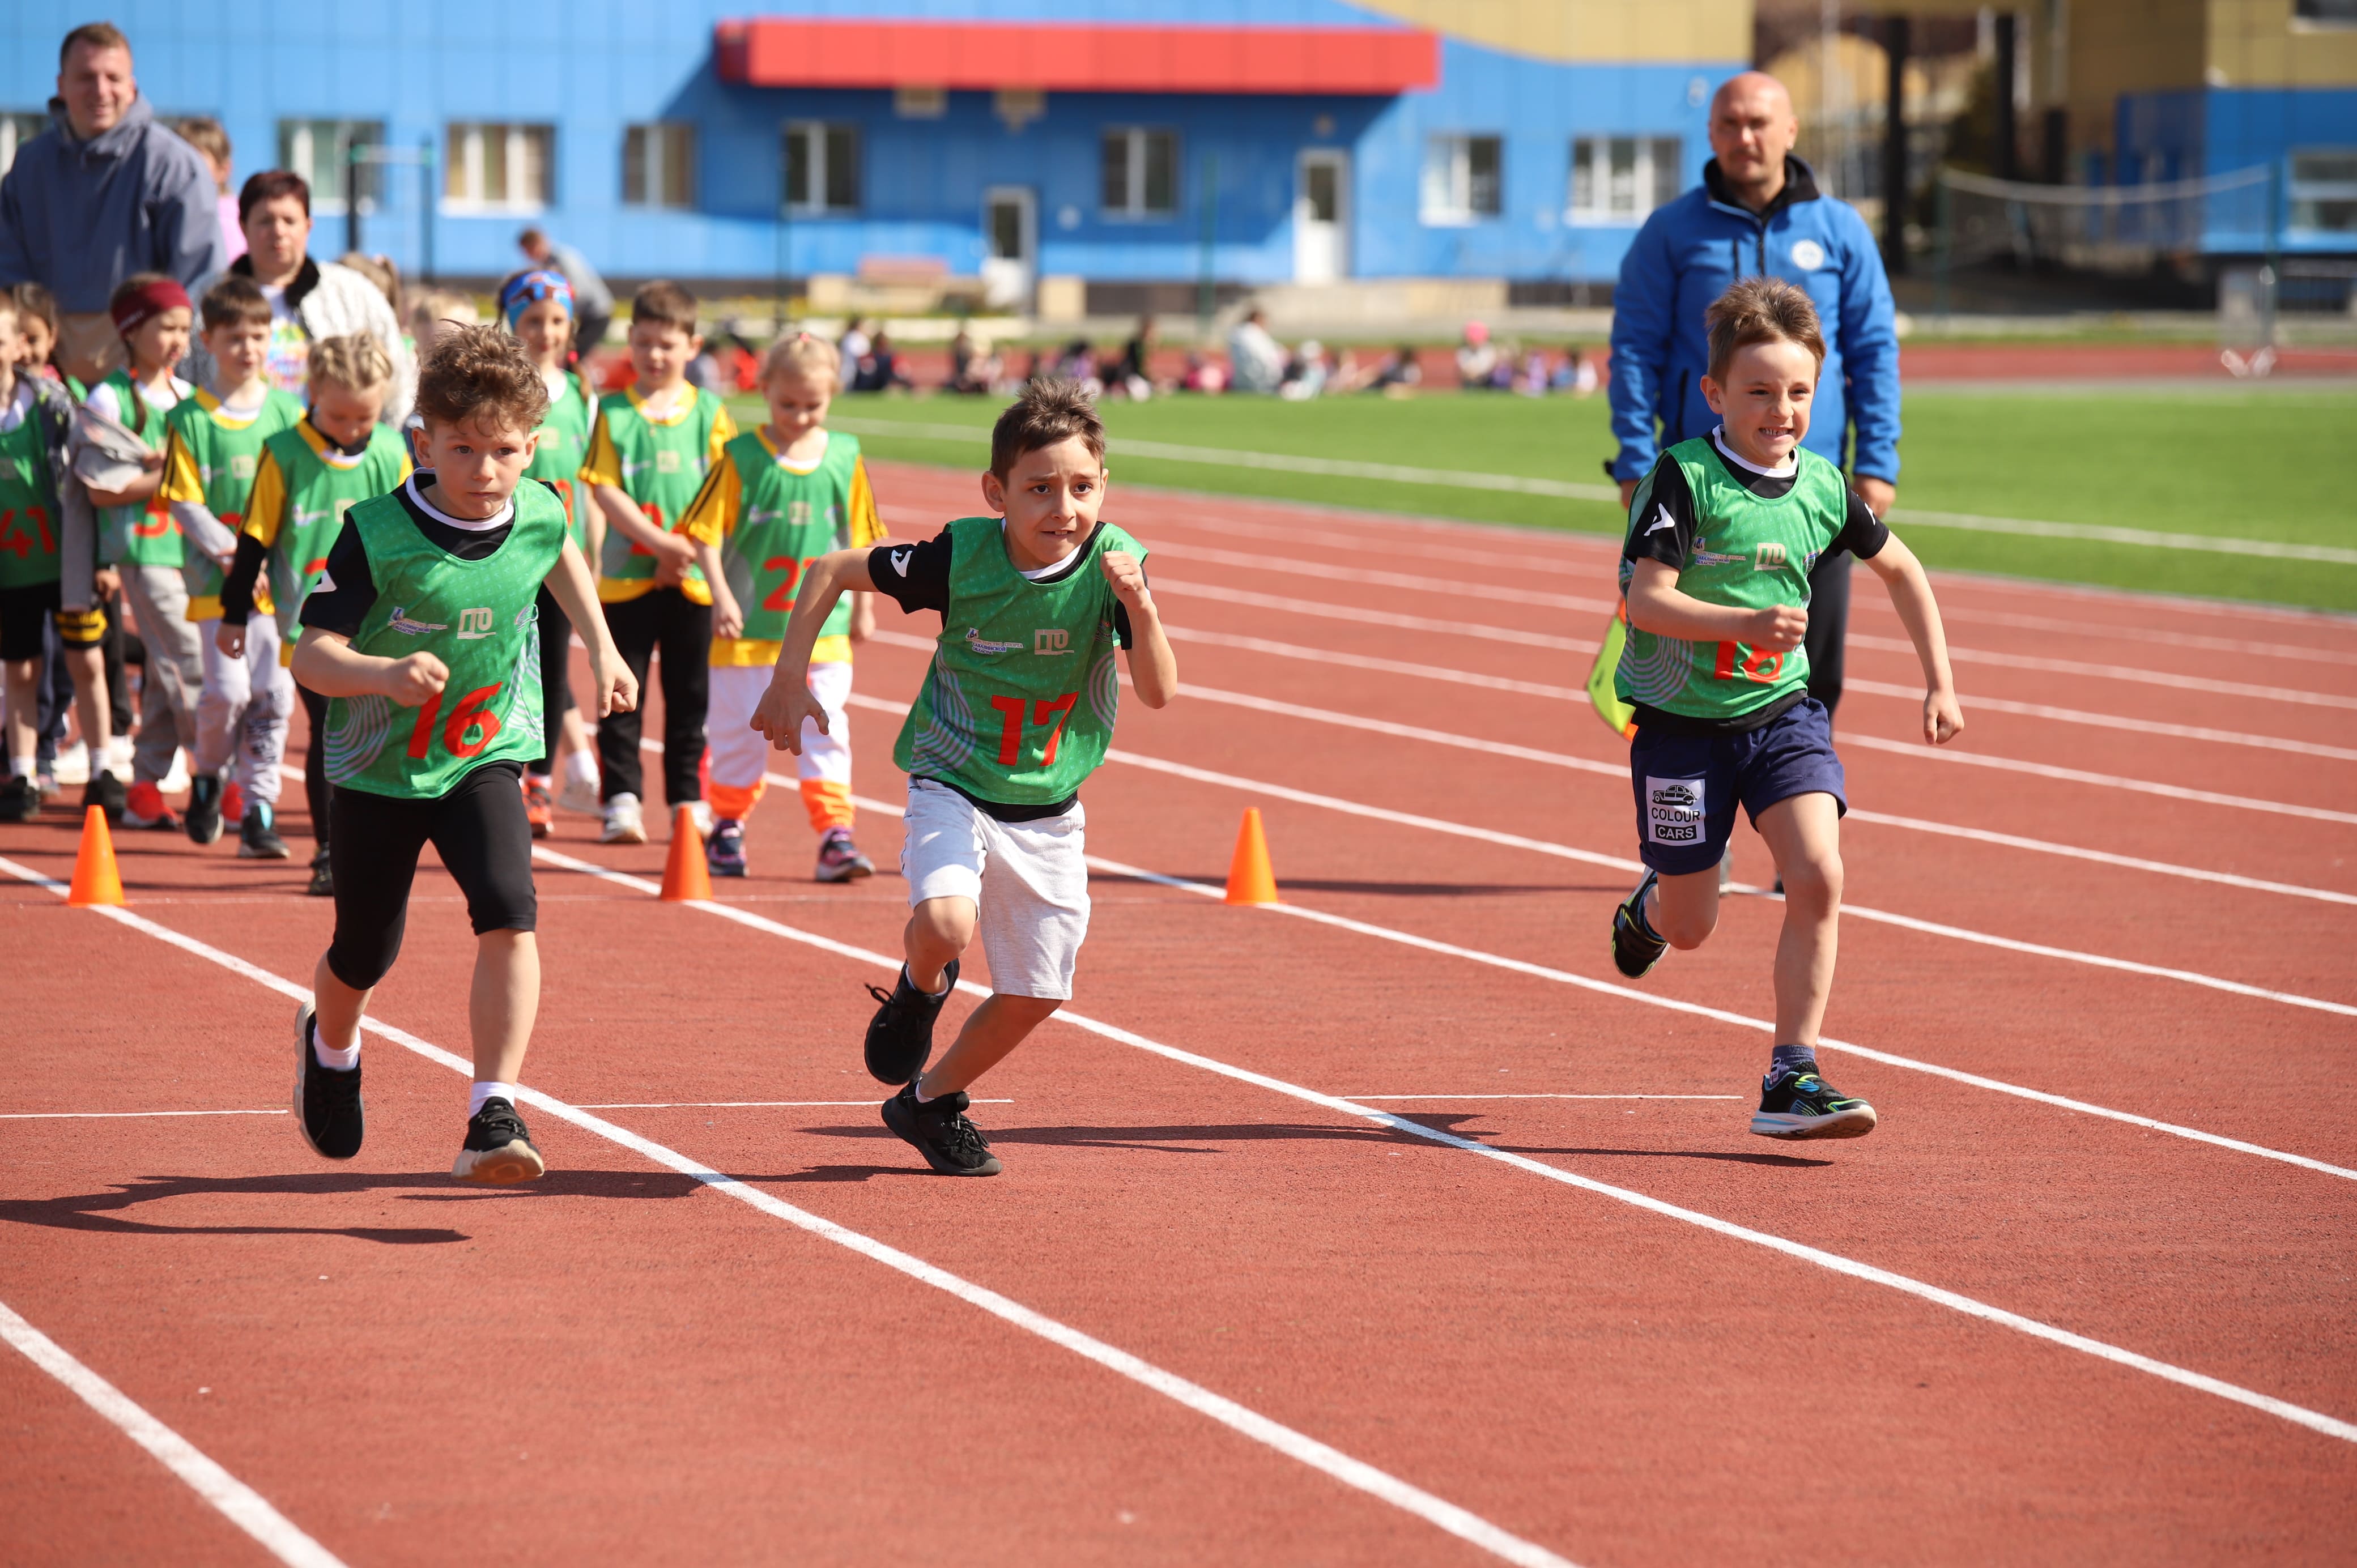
[615,127]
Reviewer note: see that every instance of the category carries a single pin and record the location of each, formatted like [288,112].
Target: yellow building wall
[2259,43]
[2126,45]
[1587,30]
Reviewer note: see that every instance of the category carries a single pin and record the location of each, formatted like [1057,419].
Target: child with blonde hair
[781,498]
[308,477]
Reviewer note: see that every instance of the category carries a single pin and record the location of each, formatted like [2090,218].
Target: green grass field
[2230,463]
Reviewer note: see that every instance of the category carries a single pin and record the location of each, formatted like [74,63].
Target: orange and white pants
[741,756]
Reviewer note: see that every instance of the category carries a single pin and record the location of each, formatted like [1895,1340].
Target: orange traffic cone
[685,875]
[1250,880]
[95,879]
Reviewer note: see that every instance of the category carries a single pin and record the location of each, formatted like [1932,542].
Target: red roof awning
[1074,57]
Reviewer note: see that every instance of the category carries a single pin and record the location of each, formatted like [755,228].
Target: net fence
[2102,228]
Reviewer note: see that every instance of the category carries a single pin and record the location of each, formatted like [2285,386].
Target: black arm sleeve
[342,601]
[1661,520]
[914,576]
[1863,534]
[237,591]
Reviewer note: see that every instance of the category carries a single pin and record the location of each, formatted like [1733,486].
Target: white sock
[922,1098]
[581,768]
[20,767]
[342,1062]
[482,1091]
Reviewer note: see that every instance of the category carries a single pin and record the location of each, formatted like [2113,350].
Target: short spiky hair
[1047,411]
[97,35]
[481,374]
[1760,310]
[235,301]
[664,303]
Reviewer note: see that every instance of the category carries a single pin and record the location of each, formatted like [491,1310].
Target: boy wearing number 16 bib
[779,498]
[1715,573]
[423,635]
[1014,715]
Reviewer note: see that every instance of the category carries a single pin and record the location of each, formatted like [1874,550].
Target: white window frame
[814,133]
[298,151]
[18,126]
[1651,154]
[464,143]
[655,142]
[1446,188]
[1134,140]
[2297,190]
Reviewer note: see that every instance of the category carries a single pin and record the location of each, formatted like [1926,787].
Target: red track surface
[618,1365]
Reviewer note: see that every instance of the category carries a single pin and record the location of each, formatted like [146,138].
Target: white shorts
[741,756]
[1028,881]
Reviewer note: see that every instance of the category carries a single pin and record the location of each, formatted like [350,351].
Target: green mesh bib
[1018,706]
[786,522]
[28,507]
[479,617]
[142,534]
[1748,551]
[663,467]
[563,447]
[226,458]
[318,493]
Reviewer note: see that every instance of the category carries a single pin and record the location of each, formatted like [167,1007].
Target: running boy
[782,496]
[1716,573]
[1014,715]
[648,456]
[336,455]
[538,309]
[209,469]
[420,636]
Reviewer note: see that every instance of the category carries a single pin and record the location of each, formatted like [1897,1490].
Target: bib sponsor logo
[1808,255]
[666,462]
[240,467]
[1673,811]
[1051,639]
[474,624]
[974,639]
[1768,556]
[401,621]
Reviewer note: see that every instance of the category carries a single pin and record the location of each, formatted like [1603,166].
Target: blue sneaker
[1803,1105]
[724,852]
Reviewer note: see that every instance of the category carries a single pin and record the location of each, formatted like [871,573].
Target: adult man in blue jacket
[1758,212]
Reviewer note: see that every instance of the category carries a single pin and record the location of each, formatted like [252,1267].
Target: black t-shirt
[345,592]
[917,576]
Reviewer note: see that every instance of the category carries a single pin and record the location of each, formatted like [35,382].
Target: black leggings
[483,837]
[555,675]
[1828,627]
[317,790]
[669,621]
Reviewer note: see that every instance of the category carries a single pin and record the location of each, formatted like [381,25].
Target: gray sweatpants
[175,676]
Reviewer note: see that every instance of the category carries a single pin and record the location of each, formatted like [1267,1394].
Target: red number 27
[471,714]
[1043,712]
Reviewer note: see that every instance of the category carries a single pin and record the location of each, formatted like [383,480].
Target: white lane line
[2129,673]
[2113,721]
[2315,1421]
[2103,632]
[237,1502]
[2140,538]
[112,1115]
[729,1104]
[1322,1457]
[1478,630]
[1375,1099]
[2101,781]
[1328,572]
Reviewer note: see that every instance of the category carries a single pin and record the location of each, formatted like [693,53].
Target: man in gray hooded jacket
[103,193]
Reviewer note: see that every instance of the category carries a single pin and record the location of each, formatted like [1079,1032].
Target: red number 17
[1043,712]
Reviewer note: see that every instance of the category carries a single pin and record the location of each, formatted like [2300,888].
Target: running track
[2086,1295]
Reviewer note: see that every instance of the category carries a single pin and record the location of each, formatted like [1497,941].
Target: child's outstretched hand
[783,708]
[1127,577]
[618,689]
[1944,718]
[1779,628]
[409,682]
[230,640]
[727,615]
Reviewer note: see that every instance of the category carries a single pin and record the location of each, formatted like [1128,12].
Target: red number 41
[1043,712]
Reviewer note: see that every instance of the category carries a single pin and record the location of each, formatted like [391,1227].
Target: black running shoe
[257,836]
[327,1101]
[204,818]
[1634,953]
[901,1036]
[939,1130]
[498,1150]
[323,877]
[20,800]
[107,794]
[1803,1105]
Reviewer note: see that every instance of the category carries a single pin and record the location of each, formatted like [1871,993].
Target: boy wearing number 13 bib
[1722,535]
[423,635]
[1015,712]
[779,498]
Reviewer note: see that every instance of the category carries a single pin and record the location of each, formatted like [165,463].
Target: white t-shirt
[18,407]
[102,399]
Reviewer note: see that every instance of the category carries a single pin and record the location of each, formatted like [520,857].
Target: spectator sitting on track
[973,368]
[1204,374]
[1305,373]
[880,371]
[1477,359]
[1400,372]
[1256,360]
[1133,376]
[852,347]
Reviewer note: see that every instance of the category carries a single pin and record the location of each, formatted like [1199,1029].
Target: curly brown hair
[1760,310]
[481,375]
[1047,411]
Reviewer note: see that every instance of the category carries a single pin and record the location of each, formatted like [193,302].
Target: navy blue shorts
[1689,785]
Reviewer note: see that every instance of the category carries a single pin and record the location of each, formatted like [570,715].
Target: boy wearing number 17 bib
[1715,572]
[1015,712]
[423,635]
[779,498]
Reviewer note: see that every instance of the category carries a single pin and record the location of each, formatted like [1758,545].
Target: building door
[1010,245]
[1322,217]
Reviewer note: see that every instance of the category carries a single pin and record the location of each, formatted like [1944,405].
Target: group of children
[426,614]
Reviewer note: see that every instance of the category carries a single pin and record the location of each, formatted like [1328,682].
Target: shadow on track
[100,1211]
